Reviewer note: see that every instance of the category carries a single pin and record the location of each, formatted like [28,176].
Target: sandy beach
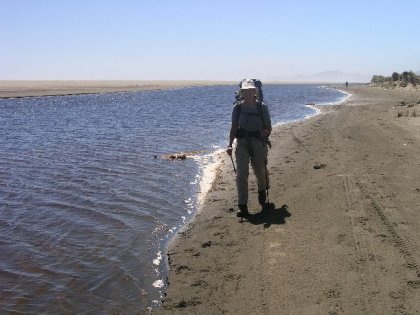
[14,89]
[344,234]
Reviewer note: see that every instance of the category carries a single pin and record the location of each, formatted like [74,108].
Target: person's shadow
[270,215]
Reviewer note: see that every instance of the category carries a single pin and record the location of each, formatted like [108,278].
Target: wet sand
[343,236]
[15,89]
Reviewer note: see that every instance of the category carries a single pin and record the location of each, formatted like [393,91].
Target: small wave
[209,164]
[95,217]
[316,109]
[158,259]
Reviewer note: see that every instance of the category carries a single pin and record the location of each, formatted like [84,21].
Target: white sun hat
[248,84]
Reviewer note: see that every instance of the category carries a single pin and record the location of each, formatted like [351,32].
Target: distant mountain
[328,77]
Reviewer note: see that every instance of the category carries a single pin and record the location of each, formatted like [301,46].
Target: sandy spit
[15,89]
[343,236]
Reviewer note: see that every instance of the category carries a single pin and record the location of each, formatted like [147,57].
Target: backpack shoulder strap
[238,112]
[260,112]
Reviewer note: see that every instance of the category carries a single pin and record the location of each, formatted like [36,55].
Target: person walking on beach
[251,126]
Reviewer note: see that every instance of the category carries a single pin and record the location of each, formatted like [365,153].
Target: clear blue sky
[208,40]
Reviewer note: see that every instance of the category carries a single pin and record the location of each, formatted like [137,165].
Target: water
[86,209]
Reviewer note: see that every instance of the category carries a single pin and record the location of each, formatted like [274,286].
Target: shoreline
[21,89]
[221,263]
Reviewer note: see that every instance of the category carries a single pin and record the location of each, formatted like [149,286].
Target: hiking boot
[243,211]
[262,197]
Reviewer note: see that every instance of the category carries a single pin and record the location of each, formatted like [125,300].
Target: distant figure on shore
[251,126]
[347,84]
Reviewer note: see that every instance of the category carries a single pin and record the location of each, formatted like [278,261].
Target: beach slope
[344,234]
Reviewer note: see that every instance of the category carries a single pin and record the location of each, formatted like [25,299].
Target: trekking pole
[266,181]
[233,164]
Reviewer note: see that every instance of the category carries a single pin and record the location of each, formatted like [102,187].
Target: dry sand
[344,238]
[12,89]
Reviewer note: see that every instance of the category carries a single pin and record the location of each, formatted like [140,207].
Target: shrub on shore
[408,105]
[407,113]
[396,80]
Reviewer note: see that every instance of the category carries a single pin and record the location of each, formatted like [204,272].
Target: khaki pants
[255,150]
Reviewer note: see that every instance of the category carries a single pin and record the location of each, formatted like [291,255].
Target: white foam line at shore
[208,167]
[316,108]
[345,99]
[209,164]
[308,116]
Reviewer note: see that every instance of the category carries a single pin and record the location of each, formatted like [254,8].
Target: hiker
[251,126]
[347,84]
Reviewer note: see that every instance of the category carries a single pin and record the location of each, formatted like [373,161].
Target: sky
[205,40]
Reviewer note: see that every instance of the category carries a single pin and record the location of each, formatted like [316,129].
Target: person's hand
[229,151]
